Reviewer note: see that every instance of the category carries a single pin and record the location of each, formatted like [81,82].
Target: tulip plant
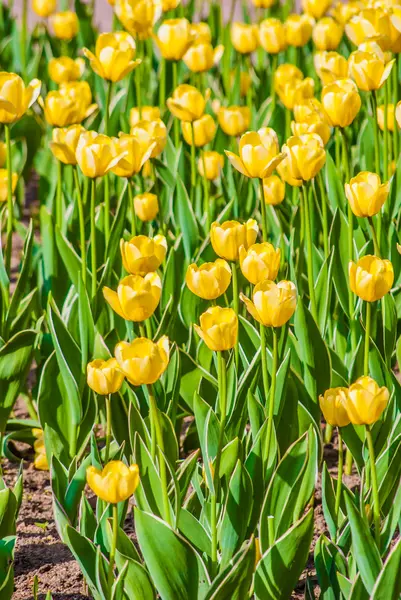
[208,299]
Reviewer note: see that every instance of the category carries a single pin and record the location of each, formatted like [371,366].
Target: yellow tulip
[201,57]
[136,298]
[114,54]
[369,71]
[40,461]
[204,130]
[390,117]
[333,406]
[200,32]
[330,66]
[80,91]
[298,30]
[310,109]
[174,38]
[306,155]
[398,113]
[3,154]
[342,13]
[143,361]
[245,81]
[366,194]
[65,69]
[258,153]
[273,189]
[154,130]
[327,34]
[263,3]
[138,16]
[366,401]
[312,125]
[143,255]
[149,113]
[369,23]
[296,91]
[64,143]
[259,262]
[64,107]
[341,102]
[104,376]
[228,237]
[115,483]
[272,36]
[371,277]
[15,98]
[44,8]
[273,304]
[65,25]
[218,328]
[134,151]
[286,73]
[244,37]
[146,206]
[395,29]
[169,5]
[213,163]
[234,120]
[96,154]
[187,103]
[4,184]
[316,8]
[285,172]
[210,280]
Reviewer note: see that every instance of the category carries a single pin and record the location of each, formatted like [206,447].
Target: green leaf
[186,220]
[388,584]
[22,279]
[85,554]
[137,584]
[234,582]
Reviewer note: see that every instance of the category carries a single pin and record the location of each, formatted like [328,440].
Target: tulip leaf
[176,569]
[22,279]
[234,582]
[148,494]
[391,521]
[186,220]
[338,240]
[137,584]
[84,552]
[194,531]
[281,565]
[388,584]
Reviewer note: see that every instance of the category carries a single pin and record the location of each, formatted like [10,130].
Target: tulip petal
[236,162]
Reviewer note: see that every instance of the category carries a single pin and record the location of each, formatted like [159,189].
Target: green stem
[162,79]
[375,488]
[93,237]
[154,415]
[273,68]
[385,134]
[106,208]
[272,394]
[206,193]
[107,108]
[367,338]
[59,195]
[10,208]
[193,159]
[110,576]
[308,231]
[287,123]
[108,426]
[263,211]
[236,307]
[377,150]
[131,207]
[339,473]
[81,218]
[176,122]
[138,87]
[23,39]
[265,376]
[323,199]
[375,240]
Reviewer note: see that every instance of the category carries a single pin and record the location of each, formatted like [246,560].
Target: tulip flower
[313,125]
[201,57]
[199,132]
[298,30]
[228,237]
[146,113]
[40,461]
[143,255]
[115,483]
[259,262]
[369,23]
[311,108]
[64,143]
[263,3]
[218,328]
[174,38]
[330,66]
[285,172]
[369,70]
[272,36]
[366,194]
[154,130]
[15,97]
[316,8]
[169,5]
[210,280]
[104,376]
[234,120]
[146,206]
[390,124]
[65,69]
[273,304]
[258,153]
[187,103]
[114,54]
[134,151]
[4,184]
[44,8]
[244,37]
[327,34]
[138,16]
[210,164]
[64,107]
[65,25]
[143,361]
[3,154]
[136,298]
[371,277]
[341,102]
[200,32]
[273,190]
[96,154]
[296,91]
[306,155]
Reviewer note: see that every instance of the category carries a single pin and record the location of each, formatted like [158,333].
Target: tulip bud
[234,120]
[187,103]
[153,132]
[259,153]
[330,66]
[228,237]
[298,30]
[311,109]
[201,57]
[390,117]
[313,125]
[371,277]
[65,69]
[104,376]
[306,155]
[3,154]
[366,194]
[341,102]
[296,91]
[213,162]
[133,152]
[199,132]
[333,406]
[15,97]
[210,280]
[170,5]
[272,36]
[342,13]
[115,483]
[4,184]
[259,262]
[146,206]
[274,190]
[316,8]
[143,361]
[369,71]
[40,461]
[136,298]
[149,113]
[200,32]
[218,328]
[143,255]
[65,25]
[138,17]
[327,34]
[96,154]
[174,38]
[64,143]
[113,58]
[44,8]
[366,401]
[273,304]
[244,37]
